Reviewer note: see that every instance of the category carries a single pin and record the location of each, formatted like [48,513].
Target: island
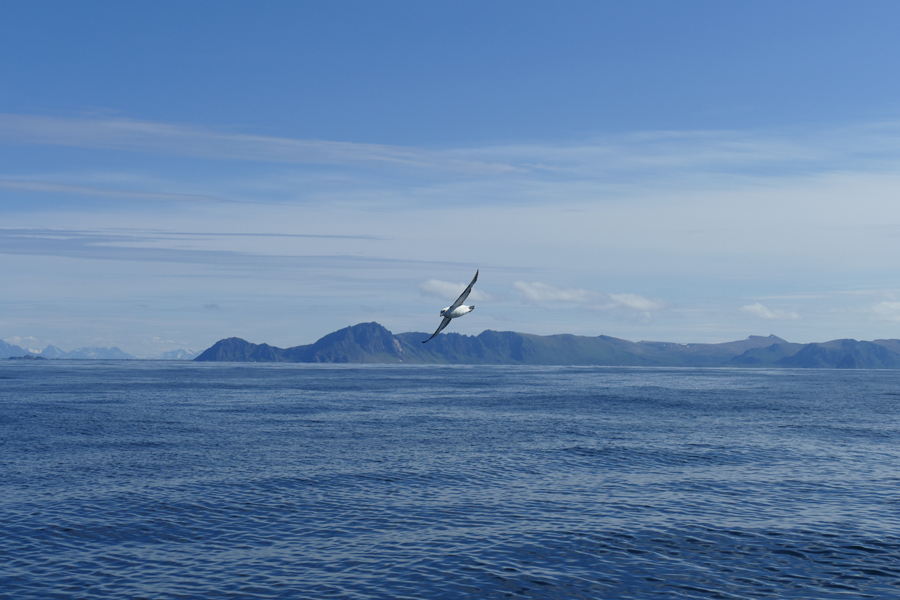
[373,343]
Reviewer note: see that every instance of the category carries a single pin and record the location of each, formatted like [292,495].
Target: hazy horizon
[197,351]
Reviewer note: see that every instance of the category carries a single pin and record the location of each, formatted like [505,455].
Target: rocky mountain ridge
[373,343]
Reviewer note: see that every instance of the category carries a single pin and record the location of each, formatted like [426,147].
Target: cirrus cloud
[635,302]
[886,311]
[451,291]
[541,293]
[763,312]
[198,142]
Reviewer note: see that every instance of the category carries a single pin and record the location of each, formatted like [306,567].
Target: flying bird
[456,309]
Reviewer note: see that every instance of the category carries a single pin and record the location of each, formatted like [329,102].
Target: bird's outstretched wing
[440,328]
[465,294]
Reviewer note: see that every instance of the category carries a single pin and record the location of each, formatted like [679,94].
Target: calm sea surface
[182,480]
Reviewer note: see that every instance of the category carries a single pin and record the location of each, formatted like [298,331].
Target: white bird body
[457,309]
[452,313]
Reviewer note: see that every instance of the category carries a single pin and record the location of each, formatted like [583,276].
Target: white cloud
[30,343]
[635,302]
[451,291]
[541,292]
[886,311]
[761,311]
[27,341]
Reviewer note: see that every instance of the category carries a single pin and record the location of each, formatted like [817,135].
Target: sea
[145,479]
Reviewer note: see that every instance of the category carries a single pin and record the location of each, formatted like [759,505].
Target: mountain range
[8,350]
[86,353]
[373,343]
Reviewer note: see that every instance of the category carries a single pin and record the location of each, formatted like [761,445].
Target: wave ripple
[160,480]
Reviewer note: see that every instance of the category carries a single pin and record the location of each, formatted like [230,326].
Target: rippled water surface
[182,480]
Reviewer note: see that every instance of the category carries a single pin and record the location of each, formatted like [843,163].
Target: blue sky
[176,173]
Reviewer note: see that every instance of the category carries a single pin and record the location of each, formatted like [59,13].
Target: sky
[172,173]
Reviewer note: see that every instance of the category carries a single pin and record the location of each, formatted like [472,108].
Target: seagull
[456,309]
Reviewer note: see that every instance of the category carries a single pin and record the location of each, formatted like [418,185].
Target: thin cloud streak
[888,311]
[80,190]
[195,234]
[605,161]
[184,140]
[715,152]
[162,234]
[541,293]
[451,291]
[763,312]
[635,302]
[121,247]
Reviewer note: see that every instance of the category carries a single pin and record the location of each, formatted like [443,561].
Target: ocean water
[182,480]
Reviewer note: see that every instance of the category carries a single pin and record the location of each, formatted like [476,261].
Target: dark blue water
[169,480]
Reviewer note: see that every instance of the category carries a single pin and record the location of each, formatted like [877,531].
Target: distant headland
[373,343]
